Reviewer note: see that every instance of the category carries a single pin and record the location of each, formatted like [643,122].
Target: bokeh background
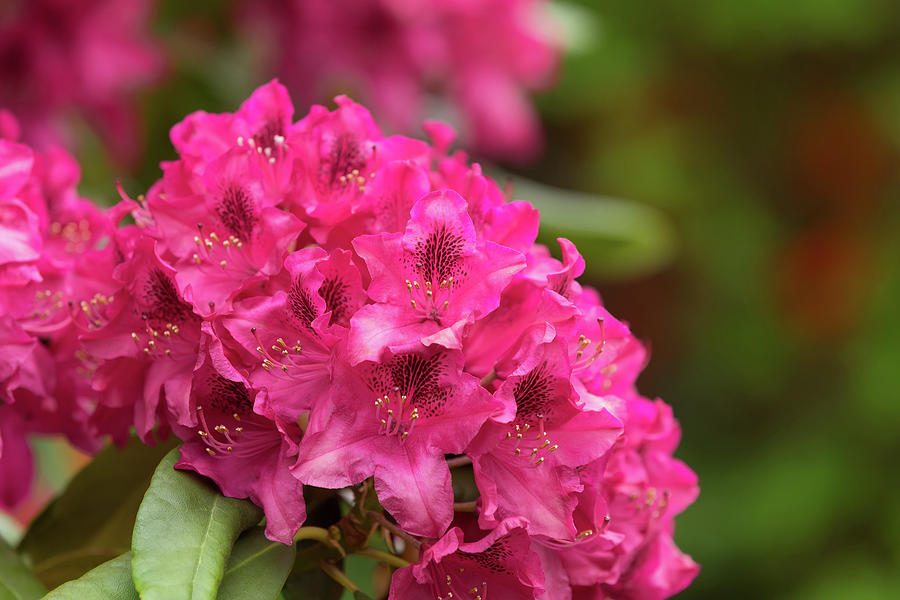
[730,172]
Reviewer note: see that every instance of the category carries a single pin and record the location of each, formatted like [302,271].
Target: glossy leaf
[16,580]
[311,584]
[623,239]
[257,567]
[91,521]
[109,581]
[183,535]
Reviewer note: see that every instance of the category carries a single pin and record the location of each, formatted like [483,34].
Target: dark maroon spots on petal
[301,304]
[236,211]
[230,397]
[265,135]
[417,378]
[346,155]
[494,559]
[534,394]
[334,291]
[562,286]
[162,301]
[439,256]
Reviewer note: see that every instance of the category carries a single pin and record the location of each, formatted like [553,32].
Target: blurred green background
[767,133]
[737,167]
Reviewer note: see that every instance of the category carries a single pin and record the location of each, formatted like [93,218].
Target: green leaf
[306,580]
[361,596]
[624,239]
[183,534]
[109,581]
[257,567]
[91,521]
[311,584]
[16,580]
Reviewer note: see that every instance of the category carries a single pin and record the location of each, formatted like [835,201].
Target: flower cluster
[56,55]
[313,303]
[478,61]
[54,272]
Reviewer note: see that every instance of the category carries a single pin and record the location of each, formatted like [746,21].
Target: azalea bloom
[499,565]
[478,60]
[55,281]
[528,466]
[429,283]
[90,55]
[394,419]
[314,303]
[245,453]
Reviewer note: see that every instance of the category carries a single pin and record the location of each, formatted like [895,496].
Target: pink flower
[222,230]
[478,59]
[90,55]
[631,504]
[430,282]
[338,154]
[527,467]
[659,571]
[16,464]
[245,453]
[284,340]
[499,565]
[148,342]
[259,126]
[55,273]
[395,419]
[318,304]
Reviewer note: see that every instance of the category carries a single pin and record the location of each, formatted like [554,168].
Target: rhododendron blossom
[86,55]
[481,60]
[55,283]
[313,303]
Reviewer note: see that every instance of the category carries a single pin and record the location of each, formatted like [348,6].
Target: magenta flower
[527,467]
[16,464]
[314,303]
[429,283]
[90,55]
[55,277]
[480,60]
[338,154]
[222,230]
[285,340]
[245,453]
[500,565]
[395,419]
[259,126]
[148,343]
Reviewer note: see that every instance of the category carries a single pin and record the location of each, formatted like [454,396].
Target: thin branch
[338,576]
[388,559]
[320,535]
[393,528]
[313,533]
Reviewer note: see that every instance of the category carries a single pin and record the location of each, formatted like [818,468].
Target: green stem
[313,533]
[338,576]
[320,535]
[388,559]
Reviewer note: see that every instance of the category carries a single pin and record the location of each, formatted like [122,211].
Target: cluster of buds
[313,303]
